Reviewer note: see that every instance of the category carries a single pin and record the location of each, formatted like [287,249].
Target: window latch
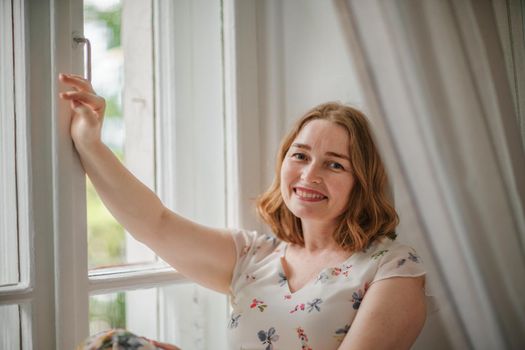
[80,40]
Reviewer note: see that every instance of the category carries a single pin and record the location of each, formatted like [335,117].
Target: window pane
[8,202]
[10,327]
[187,315]
[108,243]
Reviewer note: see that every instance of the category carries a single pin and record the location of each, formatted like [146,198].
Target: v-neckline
[315,277]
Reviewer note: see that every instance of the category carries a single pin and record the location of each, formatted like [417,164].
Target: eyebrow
[333,154]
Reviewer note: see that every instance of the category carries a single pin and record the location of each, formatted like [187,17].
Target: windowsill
[127,277]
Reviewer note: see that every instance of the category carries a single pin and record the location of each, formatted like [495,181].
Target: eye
[335,165]
[299,156]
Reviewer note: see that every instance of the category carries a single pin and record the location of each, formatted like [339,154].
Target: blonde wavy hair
[369,214]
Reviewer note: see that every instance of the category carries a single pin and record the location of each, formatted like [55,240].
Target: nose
[311,173]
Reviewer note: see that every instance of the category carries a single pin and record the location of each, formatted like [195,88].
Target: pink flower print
[256,250]
[336,271]
[346,270]
[288,296]
[244,251]
[303,338]
[258,304]
[297,308]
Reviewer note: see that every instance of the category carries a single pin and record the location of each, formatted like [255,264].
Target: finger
[75,104]
[76,76]
[93,101]
[76,81]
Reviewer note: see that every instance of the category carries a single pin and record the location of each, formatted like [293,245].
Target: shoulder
[383,249]
[250,243]
[254,250]
[394,259]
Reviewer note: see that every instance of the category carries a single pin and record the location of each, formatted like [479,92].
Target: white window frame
[16,145]
[8,188]
[51,183]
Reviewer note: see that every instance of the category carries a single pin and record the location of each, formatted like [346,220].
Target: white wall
[303,61]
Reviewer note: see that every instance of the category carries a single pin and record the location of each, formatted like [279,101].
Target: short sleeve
[403,261]
[399,261]
[252,249]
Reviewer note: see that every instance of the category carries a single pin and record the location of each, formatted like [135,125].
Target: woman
[331,277]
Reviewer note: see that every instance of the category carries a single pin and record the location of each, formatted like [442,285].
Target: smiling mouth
[309,196]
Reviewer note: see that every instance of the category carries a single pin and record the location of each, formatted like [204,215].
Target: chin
[307,214]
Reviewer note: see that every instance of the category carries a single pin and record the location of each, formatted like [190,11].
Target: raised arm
[203,254]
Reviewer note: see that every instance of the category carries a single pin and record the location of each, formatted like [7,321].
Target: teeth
[308,195]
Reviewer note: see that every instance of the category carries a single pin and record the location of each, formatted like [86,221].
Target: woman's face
[316,178]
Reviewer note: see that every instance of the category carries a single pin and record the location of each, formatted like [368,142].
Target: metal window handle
[81,40]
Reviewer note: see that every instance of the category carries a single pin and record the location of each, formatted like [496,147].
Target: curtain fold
[435,75]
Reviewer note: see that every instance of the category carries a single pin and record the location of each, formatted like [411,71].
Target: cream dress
[266,315]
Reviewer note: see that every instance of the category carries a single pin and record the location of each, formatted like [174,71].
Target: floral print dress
[266,315]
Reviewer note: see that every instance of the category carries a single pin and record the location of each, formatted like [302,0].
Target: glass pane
[8,201]
[10,327]
[187,315]
[108,243]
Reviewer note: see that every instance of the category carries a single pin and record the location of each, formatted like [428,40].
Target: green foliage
[106,246]
[112,311]
[106,237]
[111,19]
[113,107]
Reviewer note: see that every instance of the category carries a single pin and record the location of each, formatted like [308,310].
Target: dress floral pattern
[267,315]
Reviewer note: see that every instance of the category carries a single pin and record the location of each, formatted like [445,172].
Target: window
[14,237]
[8,215]
[152,142]
[70,291]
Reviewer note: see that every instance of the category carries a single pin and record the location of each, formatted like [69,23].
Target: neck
[318,236]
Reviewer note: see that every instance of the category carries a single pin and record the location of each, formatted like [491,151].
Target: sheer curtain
[436,81]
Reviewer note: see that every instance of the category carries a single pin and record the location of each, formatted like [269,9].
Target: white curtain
[436,80]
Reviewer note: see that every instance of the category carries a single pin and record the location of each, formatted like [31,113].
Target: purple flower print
[413,257]
[268,338]
[234,321]
[282,279]
[314,305]
[340,333]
